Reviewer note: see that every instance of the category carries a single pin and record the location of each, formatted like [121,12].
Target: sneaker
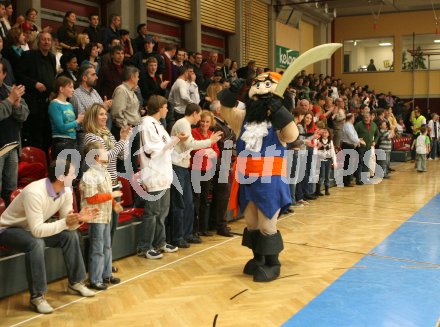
[168,248]
[81,289]
[153,254]
[430,159]
[303,202]
[40,305]
[297,205]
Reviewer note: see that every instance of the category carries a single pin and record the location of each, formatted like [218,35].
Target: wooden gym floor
[204,285]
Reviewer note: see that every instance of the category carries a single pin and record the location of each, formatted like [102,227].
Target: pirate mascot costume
[260,188]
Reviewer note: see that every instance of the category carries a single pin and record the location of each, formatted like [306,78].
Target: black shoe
[359,183]
[112,280]
[98,286]
[115,269]
[194,239]
[181,244]
[206,233]
[224,232]
[391,169]
[310,197]
[327,192]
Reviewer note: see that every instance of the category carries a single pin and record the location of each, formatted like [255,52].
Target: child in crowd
[384,143]
[96,191]
[327,156]
[421,143]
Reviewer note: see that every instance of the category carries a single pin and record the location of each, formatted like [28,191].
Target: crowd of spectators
[156,108]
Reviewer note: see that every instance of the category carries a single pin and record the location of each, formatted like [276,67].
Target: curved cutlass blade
[321,52]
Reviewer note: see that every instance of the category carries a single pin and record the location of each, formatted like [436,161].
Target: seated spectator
[23,228]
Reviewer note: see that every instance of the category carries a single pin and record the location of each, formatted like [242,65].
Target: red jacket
[205,163]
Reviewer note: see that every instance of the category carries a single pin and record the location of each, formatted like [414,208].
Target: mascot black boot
[250,240]
[270,247]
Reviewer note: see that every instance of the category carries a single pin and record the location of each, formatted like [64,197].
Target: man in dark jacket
[37,72]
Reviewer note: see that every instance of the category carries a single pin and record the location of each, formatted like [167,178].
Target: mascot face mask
[264,85]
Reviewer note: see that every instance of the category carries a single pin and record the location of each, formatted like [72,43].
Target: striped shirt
[83,99]
[97,180]
[120,148]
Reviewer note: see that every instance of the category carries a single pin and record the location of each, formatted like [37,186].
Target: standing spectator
[176,64]
[112,30]
[82,41]
[338,119]
[94,30]
[371,67]
[422,149]
[106,58]
[62,117]
[248,71]
[367,131]
[8,14]
[138,42]
[9,79]
[200,81]
[434,127]
[151,83]
[417,122]
[210,66]
[139,60]
[183,92]
[23,227]
[168,55]
[349,140]
[384,143]
[96,192]
[85,96]
[91,56]
[220,190]
[157,176]
[67,33]
[182,205]
[69,65]
[126,44]
[125,111]
[14,50]
[13,112]
[36,72]
[327,158]
[110,76]
[201,161]
[3,27]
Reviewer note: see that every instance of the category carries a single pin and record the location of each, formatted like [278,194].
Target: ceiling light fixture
[385,44]
[436,41]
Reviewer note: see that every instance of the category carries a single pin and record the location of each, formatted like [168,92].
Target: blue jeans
[21,240]
[324,173]
[152,230]
[100,253]
[8,173]
[182,206]
[434,148]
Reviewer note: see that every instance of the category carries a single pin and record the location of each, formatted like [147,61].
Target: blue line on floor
[387,292]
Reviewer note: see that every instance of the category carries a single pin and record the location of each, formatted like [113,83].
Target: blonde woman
[82,40]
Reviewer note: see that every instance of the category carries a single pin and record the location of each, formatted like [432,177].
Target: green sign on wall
[284,56]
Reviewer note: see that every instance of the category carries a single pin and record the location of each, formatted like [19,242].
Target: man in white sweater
[182,205]
[184,91]
[23,228]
